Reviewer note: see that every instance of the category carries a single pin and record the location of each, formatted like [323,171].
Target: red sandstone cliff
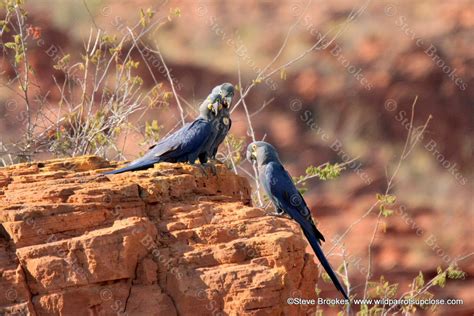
[165,241]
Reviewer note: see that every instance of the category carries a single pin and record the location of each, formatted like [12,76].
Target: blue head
[262,153]
[220,98]
[226,93]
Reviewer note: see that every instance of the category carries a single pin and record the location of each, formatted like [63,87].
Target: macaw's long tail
[134,167]
[313,241]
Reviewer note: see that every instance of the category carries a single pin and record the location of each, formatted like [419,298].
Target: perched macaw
[184,145]
[221,122]
[288,200]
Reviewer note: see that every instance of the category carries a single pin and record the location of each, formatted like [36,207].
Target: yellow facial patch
[254,150]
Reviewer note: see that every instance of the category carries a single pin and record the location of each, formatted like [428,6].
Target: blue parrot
[221,123]
[287,200]
[184,145]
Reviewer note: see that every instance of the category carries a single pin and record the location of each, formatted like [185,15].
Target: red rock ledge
[165,241]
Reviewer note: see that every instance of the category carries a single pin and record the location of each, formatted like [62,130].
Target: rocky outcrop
[172,240]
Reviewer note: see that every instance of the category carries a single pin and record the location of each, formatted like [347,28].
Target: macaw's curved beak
[227,101]
[215,107]
[250,154]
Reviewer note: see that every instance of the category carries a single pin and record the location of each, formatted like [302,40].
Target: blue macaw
[221,123]
[287,199]
[184,145]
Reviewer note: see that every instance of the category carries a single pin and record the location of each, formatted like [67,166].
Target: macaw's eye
[254,147]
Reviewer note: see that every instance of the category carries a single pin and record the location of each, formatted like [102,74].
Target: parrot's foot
[278,214]
[216,161]
[212,166]
[203,170]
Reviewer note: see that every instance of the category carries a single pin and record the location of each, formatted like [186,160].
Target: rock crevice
[165,241]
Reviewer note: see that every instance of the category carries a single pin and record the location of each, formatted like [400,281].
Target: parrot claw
[216,161]
[203,170]
[278,214]
[212,166]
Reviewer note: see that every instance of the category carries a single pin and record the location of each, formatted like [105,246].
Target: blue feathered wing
[183,145]
[282,191]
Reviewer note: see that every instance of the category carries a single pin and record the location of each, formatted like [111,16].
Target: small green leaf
[454,273]
[10,45]
[440,280]
[419,281]
[176,12]
[317,290]
[326,277]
